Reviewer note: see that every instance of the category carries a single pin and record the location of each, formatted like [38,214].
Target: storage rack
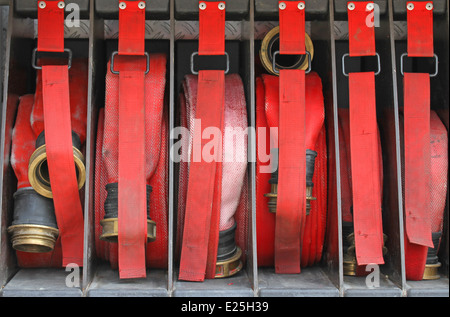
[247,23]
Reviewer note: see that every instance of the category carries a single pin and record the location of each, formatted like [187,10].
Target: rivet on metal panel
[301,5]
[351,6]
[202,6]
[61,4]
[141,5]
[221,6]
[122,5]
[282,6]
[42,4]
[410,6]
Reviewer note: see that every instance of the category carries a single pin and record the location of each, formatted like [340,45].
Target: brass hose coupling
[432,265]
[271,45]
[34,227]
[273,195]
[110,224]
[38,173]
[228,254]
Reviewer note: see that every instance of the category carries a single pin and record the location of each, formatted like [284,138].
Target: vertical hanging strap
[417,126]
[291,200]
[201,229]
[365,158]
[58,133]
[132,204]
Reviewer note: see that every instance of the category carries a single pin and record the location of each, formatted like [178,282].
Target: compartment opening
[237,46]
[104,277]
[319,268]
[31,273]
[435,278]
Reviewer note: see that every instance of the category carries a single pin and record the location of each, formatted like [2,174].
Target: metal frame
[326,18]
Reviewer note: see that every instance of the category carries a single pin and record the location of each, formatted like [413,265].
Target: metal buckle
[34,56]
[117,73]
[347,54]
[196,53]
[436,69]
[277,71]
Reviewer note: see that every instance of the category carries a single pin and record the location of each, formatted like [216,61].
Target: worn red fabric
[417,149]
[61,164]
[415,254]
[267,122]
[132,201]
[420,30]
[50,27]
[346,171]
[156,159]
[292,28]
[78,76]
[23,145]
[76,116]
[23,141]
[58,137]
[201,230]
[232,139]
[291,203]
[416,115]
[131,29]
[366,189]
[365,162]
[361,34]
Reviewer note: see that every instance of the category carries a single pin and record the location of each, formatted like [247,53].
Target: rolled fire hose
[234,166]
[34,230]
[40,246]
[425,147]
[267,112]
[156,154]
[423,263]
[313,237]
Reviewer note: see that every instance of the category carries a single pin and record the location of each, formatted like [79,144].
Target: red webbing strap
[201,229]
[58,134]
[419,19]
[50,26]
[361,36]
[365,169]
[292,27]
[291,200]
[417,127]
[365,163]
[132,199]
